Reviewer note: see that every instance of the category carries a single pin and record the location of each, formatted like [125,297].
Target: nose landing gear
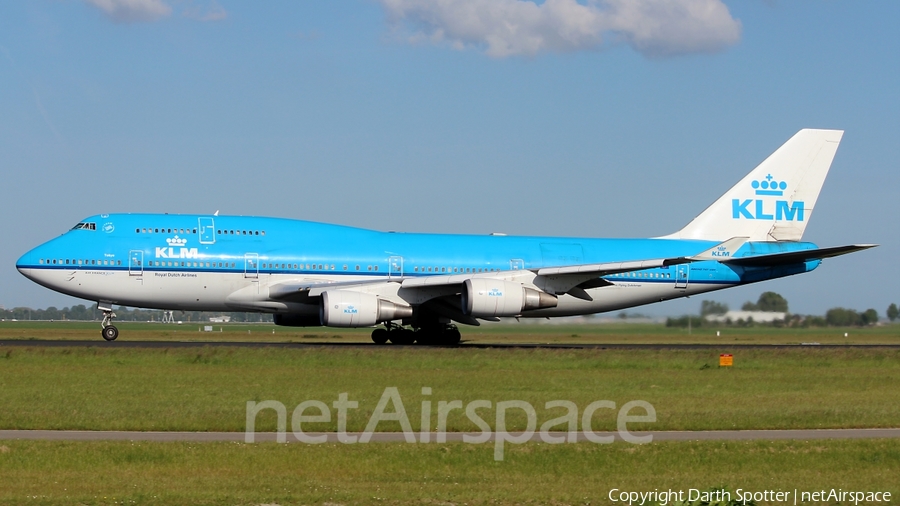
[109,333]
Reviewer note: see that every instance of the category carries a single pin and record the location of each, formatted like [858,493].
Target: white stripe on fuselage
[213,291]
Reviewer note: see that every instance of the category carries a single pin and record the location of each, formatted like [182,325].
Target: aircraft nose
[26,264]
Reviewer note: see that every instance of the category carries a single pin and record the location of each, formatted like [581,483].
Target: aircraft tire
[402,336]
[110,333]
[380,336]
[452,336]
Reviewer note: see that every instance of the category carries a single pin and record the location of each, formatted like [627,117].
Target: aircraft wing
[794,257]
[314,287]
[571,279]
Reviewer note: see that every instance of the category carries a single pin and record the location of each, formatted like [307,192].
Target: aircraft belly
[621,296]
[163,290]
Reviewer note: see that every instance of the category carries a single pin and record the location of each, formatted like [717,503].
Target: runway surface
[99,343]
[399,437]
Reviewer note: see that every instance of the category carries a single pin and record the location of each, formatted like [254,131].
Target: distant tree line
[773,302]
[81,312]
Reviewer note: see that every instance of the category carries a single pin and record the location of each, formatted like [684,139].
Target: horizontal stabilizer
[795,257]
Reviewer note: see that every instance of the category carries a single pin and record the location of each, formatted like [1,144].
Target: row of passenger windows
[190,231]
[454,269]
[309,267]
[69,261]
[169,263]
[165,230]
[374,268]
[654,275]
[242,232]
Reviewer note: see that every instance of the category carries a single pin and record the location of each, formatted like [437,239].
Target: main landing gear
[110,333]
[441,334]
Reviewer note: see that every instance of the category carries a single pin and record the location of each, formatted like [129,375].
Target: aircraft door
[395,267]
[517,264]
[681,276]
[207,231]
[251,265]
[136,263]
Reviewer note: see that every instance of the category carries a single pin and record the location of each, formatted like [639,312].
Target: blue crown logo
[176,241]
[769,186]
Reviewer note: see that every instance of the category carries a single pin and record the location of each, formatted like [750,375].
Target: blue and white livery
[419,285]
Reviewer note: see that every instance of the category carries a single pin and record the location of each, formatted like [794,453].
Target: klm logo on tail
[759,209]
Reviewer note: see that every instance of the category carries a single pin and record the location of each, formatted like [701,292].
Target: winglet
[723,251]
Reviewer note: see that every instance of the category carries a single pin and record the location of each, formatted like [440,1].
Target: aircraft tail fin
[776,199]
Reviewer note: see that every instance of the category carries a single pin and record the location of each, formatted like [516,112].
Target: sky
[598,118]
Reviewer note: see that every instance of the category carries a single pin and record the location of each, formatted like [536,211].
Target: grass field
[506,332]
[205,388]
[238,474]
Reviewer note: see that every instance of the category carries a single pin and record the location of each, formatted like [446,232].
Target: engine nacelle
[483,297]
[343,308]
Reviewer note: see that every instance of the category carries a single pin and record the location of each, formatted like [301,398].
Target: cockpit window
[86,226]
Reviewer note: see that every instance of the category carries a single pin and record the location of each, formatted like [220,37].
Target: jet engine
[482,297]
[344,308]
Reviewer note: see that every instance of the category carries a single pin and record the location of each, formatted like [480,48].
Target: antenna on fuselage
[216,213]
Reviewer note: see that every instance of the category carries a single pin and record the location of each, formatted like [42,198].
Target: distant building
[757,316]
[219,319]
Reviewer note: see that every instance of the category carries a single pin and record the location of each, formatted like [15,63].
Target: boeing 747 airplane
[416,287]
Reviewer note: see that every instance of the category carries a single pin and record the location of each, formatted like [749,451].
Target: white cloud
[132,10]
[502,28]
[212,12]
